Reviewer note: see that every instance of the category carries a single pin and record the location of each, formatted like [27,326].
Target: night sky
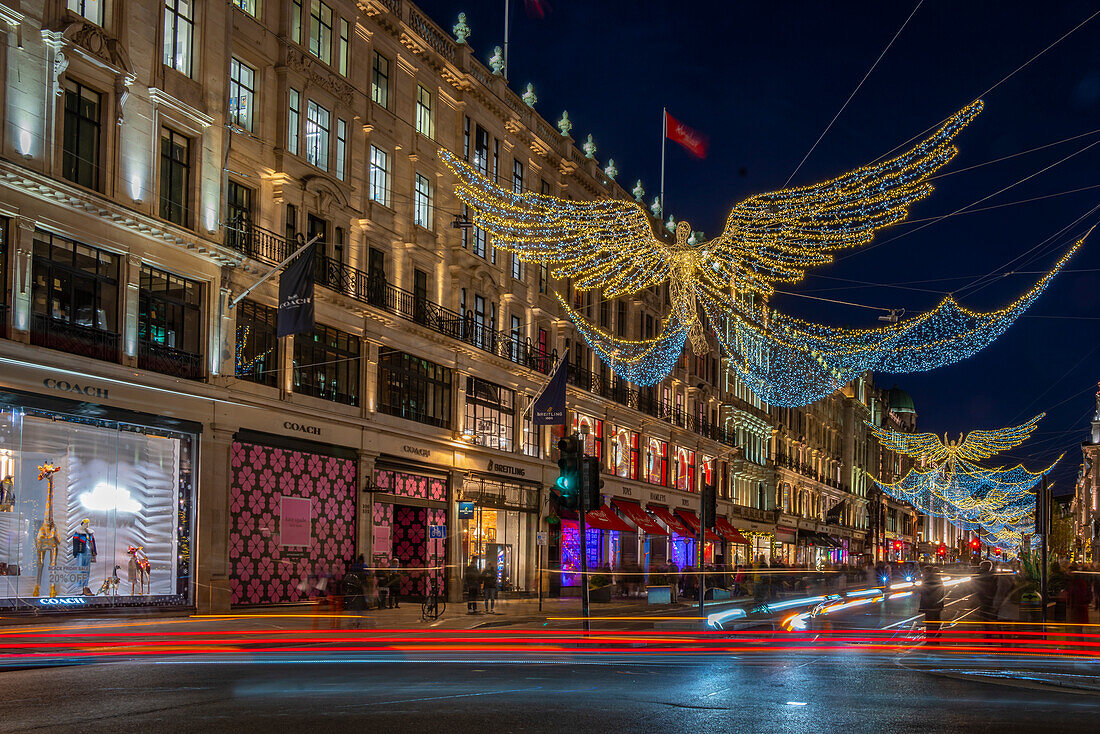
[764,79]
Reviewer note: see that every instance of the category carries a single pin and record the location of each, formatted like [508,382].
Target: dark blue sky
[763,80]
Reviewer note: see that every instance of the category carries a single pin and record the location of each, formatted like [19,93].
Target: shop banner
[549,406]
[295,521]
[296,295]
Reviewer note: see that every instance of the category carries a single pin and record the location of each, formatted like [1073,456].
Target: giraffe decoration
[48,539]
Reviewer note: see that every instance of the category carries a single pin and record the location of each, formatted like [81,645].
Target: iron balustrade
[375,290]
[169,361]
[86,341]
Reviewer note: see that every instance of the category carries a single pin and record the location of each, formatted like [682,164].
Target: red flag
[695,142]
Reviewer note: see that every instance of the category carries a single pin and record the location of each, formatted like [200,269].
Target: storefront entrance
[401,532]
[500,533]
[292,508]
[93,511]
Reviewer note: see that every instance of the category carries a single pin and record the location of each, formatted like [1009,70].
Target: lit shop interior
[93,512]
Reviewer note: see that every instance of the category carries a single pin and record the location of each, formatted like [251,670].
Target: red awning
[639,517]
[606,519]
[674,523]
[729,532]
[692,520]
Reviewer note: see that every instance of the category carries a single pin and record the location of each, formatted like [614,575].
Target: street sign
[465,510]
[437,532]
[542,538]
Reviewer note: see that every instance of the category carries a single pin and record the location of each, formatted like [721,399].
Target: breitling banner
[549,407]
[296,295]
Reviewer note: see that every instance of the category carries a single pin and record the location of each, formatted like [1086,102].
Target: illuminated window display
[624,453]
[93,512]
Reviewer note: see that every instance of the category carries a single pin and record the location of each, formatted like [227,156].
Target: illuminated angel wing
[911,444]
[607,243]
[773,238]
[984,444]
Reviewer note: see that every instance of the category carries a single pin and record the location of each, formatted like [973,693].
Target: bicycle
[432,607]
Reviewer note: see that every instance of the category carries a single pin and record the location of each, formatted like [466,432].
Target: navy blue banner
[549,407]
[296,295]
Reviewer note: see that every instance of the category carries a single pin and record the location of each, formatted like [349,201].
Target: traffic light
[975,544]
[591,484]
[568,485]
[942,550]
[710,506]
[897,545]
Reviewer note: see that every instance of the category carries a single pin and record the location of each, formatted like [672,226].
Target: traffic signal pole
[702,551]
[584,552]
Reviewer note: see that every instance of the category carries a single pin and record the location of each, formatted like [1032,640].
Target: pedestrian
[931,603]
[985,589]
[489,584]
[382,582]
[472,583]
[393,581]
[673,572]
[738,580]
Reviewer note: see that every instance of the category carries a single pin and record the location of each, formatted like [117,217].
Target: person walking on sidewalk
[472,583]
[931,603]
[489,588]
[393,583]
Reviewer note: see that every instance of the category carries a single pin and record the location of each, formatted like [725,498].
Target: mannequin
[84,552]
[47,541]
[7,494]
[138,571]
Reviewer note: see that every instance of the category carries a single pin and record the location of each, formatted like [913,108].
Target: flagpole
[506,14]
[542,389]
[664,136]
[274,270]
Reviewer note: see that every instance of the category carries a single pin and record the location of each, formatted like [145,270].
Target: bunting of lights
[609,245]
[995,503]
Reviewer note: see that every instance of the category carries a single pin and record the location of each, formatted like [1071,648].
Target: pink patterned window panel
[404,484]
[413,550]
[263,571]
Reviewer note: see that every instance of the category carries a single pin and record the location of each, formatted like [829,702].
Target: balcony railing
[86,341]
[373,289]
[168,361]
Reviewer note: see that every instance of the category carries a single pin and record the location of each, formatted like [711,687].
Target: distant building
[1085,507]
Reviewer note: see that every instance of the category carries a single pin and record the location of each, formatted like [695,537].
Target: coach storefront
[292,514]
[96,502]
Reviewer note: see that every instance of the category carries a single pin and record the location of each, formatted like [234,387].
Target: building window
[379,176]
[296,21]
[248,6]
[238,213]
[516,335]
[326,365]
[175,177]
[605,312]
[685,470]
[257,354]
[413,388]
[657,462]
[532,434]
[179,29]
[424,124]
[481,151]
[517,267]
[341,149]
[490,414]
[624,453]
[544,277]
[517,177]
[342,51]
[339,251]
[620,318]
[479,242]
[317,127]
[466,138]
[80,155]
[88,9]
[422,202]
[593,441]
[291,222]
[170,326]
[295,102]
[75,297]
[320,31]
[380,80]
[242,86]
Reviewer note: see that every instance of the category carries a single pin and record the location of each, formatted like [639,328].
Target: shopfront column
[455,568]
[22,248]
[130,292]
[212,529]
[364,531]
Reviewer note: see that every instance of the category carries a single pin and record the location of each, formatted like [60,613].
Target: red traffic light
[942,550]
[897,545]
[975,543]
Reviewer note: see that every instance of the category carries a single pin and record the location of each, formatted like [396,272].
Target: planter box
[659,594]
[601,595]
[718,593]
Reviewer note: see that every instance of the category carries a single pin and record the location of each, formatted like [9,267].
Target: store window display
[76,493]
